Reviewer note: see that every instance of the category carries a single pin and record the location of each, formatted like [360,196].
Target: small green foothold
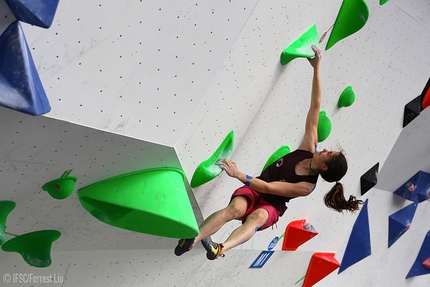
[280,152]
[34,247]
[209,169]
[347,98]
[302,47]
[382,2]
[300,280]
[352,16]
[62,187]
[6,206]
[324,126]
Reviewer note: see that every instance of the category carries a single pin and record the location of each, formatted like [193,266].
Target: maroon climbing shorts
[254,203]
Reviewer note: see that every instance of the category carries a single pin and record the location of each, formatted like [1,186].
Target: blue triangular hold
[358,246]
[417,188]
[20,85]
[399,222]
[423,189]
[35,12]
[418,268]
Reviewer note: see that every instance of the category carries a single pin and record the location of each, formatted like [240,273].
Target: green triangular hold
[352,16]
[151,201]
[382,2]
[6,206]
[106,212]
[34,247]
[302,47]
[347,98]
[324,126]
[208,169]
[280,152]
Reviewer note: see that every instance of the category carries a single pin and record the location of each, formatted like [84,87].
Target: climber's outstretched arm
[311,136]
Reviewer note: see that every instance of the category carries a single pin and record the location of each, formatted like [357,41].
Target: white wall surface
[164,82]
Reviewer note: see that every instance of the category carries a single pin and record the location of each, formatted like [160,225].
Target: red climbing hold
[426,263]
[321,265]
[426,100]
[296,234]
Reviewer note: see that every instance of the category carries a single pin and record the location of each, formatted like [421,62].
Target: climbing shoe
[213,249]
[183,246]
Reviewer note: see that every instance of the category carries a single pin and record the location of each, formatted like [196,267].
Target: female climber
[261,200]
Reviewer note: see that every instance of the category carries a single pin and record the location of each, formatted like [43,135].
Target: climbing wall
[140,84]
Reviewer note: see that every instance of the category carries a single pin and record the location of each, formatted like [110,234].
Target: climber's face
[320,158]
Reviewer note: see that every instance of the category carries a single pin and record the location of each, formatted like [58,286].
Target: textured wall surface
[140,84]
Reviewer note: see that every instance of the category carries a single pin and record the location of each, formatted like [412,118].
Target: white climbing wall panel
[138,67]
[139,84]
[415,136]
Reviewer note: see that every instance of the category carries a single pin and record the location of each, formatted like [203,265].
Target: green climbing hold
[302,47]
[352,16]
[324,126]
[382,2]
[280,152]
[62,187]
[209,169]
[152,201]
[105,212]
[6,206]
[347,98]
[34,247]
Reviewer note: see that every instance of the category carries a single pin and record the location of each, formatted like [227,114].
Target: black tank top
[284,169]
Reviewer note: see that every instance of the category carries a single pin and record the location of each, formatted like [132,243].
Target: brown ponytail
[335,199]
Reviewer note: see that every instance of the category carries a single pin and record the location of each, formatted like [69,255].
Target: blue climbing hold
[35,12]
[399,222]
[20,85]
[417,188]
[358,246]
[419,268]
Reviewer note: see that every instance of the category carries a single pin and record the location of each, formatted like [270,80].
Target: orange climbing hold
[296,234]
[321,265]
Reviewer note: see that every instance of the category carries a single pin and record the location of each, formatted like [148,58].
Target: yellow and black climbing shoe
[213,249]
[183,246]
